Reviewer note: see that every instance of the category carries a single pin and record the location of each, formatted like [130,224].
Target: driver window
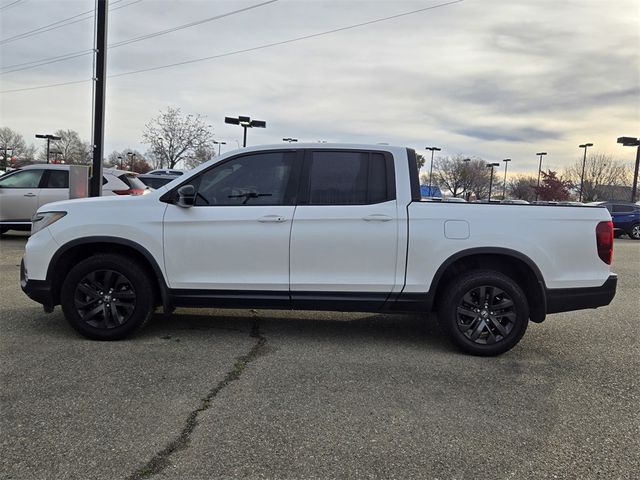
[259,179]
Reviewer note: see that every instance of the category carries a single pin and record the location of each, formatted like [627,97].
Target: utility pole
[95,186]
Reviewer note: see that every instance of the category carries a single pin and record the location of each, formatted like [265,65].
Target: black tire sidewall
[447,313]
[121,264]
[630,233]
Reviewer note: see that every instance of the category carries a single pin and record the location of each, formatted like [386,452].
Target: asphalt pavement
[207,394]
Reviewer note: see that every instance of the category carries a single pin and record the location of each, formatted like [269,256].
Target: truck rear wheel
[107,297]
[484,312]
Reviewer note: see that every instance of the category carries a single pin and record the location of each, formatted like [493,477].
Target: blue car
[626,218]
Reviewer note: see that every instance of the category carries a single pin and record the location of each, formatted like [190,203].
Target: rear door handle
[272,219]
[29,194]
[377,217]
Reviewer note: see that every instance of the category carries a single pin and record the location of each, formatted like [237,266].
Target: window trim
[305,181]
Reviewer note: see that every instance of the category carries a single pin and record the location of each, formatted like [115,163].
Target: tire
[484,328]
[107,297]
[634,232]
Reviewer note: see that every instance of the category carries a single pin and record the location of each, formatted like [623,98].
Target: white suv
[25,190]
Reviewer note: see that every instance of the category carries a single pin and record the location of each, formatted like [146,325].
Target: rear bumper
[37,290]
[568,299]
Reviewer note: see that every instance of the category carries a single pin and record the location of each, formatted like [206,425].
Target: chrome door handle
[272,219]
[29,194]
[377,217]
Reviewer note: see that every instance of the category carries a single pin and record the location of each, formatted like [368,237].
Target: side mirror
[186,196]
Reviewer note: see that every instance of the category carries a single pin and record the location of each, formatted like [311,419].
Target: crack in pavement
[161,459]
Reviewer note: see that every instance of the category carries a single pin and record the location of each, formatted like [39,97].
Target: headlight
[44,219]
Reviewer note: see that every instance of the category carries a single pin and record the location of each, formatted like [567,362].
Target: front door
[19,195]
[236,236]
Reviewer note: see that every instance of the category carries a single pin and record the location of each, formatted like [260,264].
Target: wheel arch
[510,262]
[77,250]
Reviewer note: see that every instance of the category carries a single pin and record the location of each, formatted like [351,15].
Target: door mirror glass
[186,196]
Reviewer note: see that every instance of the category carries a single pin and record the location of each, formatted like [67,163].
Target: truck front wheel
[107,297]
[484,312]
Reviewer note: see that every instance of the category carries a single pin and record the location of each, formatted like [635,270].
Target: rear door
[344,238]
[55,187]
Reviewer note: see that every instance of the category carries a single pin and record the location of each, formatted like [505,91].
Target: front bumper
[568,299]
[37,290]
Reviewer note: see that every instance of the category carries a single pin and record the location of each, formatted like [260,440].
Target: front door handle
[29,194]
[377,217]
[272,219]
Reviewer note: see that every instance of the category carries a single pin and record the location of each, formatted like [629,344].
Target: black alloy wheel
[486,315]
[483,312]
[634,233]
[107,297]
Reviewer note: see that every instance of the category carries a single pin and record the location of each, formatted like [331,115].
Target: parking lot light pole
[245,122]
[215,142]
[433,149]
[542,154]
[584,161]
[4,158]
[290,140]
[633,142]
[491,166]
[48,137]
[504,187]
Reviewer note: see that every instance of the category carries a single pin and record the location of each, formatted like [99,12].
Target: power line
[10,4]
[284,42]
[61,23]
[69,56]
[252,49]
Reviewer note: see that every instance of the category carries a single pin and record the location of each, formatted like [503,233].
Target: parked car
[154,180]
[514,201]
[317,227]
[570,203]
[165,171]
[626,217]
[24,190]
[454,199]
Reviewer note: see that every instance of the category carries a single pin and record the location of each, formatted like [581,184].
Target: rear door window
[57,179]
[349,178]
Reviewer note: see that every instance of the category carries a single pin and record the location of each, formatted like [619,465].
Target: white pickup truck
[317,227]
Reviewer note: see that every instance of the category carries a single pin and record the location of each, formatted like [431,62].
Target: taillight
[604,241]
[129,191]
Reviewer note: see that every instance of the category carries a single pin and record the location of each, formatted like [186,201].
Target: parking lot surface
[262,394]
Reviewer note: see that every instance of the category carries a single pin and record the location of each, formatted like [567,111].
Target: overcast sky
[487,78]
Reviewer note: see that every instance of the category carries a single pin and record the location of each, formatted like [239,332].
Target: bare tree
[201,155]
[172,137]
[600,170]
[13,146]
[477,179]
[128,159]
[70,148]
[452,173]
[523,188]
